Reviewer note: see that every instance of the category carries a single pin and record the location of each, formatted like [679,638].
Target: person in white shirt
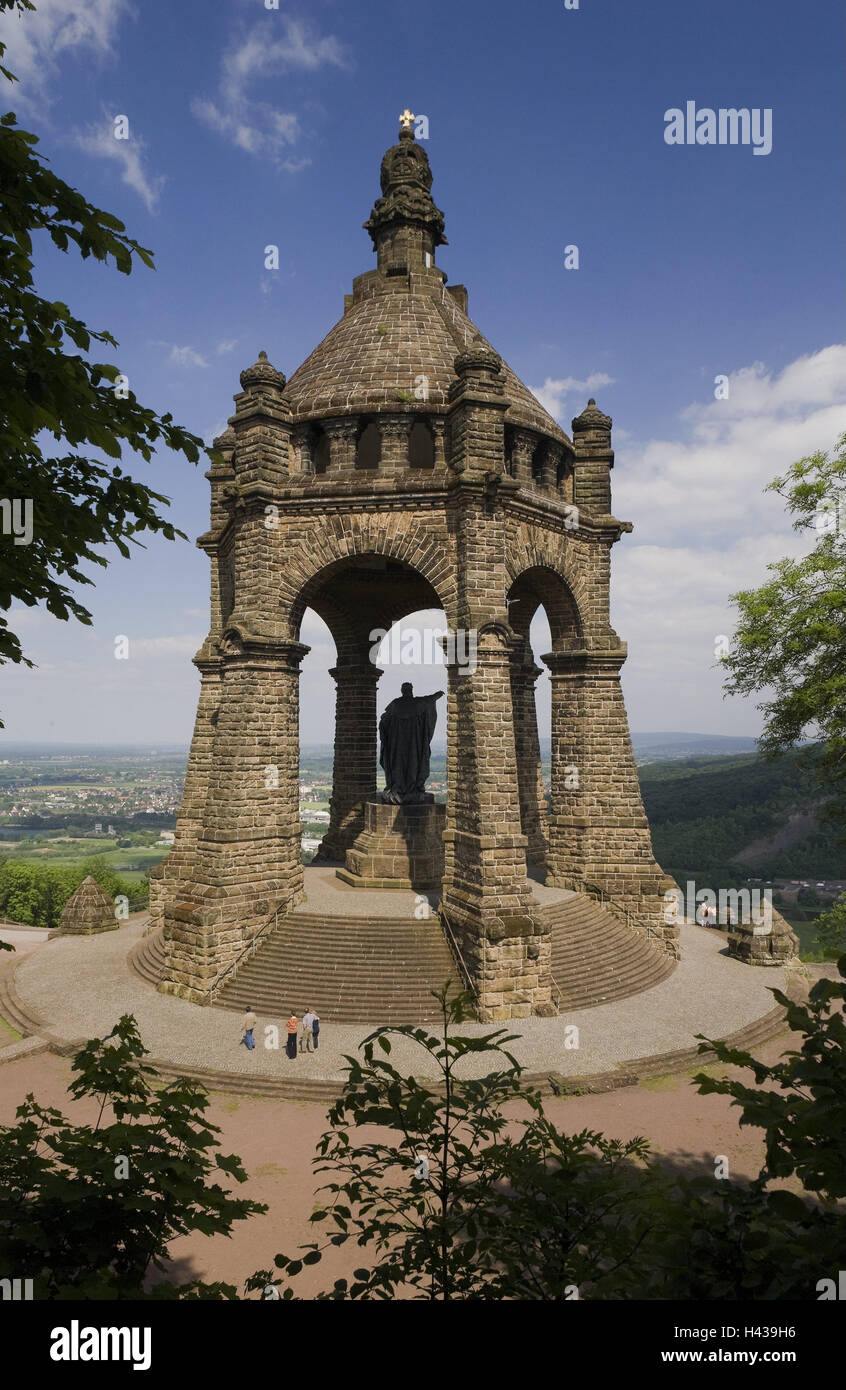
[309,1020]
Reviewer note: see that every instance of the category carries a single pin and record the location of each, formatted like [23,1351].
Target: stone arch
[358,593]
[327,549]
[542,586]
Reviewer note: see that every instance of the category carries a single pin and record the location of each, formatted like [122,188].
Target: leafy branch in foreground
[73,501]
[89,1210]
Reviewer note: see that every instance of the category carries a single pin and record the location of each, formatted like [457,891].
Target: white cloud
[129,154]
[553,394]
[226,345]
[704,529]
[35,40]
[708,484]
[186,357]
[257,126]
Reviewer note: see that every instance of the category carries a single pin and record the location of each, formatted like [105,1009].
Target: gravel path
[81,985]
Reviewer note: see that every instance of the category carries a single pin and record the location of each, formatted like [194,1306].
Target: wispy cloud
[226,345]
[554,393]
[257,126]
[37,40]
[186,357]
[129,154]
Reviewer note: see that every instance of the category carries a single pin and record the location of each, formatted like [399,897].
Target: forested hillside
[705,812]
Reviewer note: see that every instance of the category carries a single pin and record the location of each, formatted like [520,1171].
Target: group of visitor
[308,1030]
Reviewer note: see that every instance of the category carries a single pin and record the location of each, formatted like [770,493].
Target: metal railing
[618,909]
[456,951]
[248,950]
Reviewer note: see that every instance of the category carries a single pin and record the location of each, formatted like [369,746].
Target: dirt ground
[276,1141]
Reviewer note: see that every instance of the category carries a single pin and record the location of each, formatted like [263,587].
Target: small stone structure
[403,467]
[88,910]
[768,943]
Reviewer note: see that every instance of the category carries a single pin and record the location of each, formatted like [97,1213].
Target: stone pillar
[598,831]
[486,896]
[247,859]
[342,441]
[394,430]
[529,773]
[176,869]
[356,753]
[523,446]
[549,468]
[438,430]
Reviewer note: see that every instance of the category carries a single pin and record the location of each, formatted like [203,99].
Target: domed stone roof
[396,346]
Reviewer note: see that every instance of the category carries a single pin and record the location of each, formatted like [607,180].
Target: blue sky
[251,126]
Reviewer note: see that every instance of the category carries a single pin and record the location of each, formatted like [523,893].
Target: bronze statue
[405,740]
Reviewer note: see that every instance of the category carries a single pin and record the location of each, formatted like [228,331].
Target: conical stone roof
[89,909]
[396,345]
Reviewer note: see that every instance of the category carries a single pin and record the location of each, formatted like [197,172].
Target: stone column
[523,446]
[342,440]
[566,817]
[247,859]
[486,895]
[529,773]
[599,834]
[176,869]
[549,469]
[438,431]
[356,753]
[394,430]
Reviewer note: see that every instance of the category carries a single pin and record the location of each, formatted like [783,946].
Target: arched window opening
[368,451]
[509,451]
[421,446]
[319,450]
[537,462]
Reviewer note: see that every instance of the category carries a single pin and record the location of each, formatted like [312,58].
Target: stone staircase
[378,970]
[596,958]
[382,970]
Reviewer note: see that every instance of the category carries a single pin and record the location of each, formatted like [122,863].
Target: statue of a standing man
[405,740]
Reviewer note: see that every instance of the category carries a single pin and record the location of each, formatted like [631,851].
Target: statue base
[399,847]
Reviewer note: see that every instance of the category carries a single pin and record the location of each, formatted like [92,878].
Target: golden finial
[406,118]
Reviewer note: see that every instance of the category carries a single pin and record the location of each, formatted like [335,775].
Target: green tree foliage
[803,1108]
[36,893]
[831,928]
[512,1208]
[791,635]
[51,388]
[89,1210]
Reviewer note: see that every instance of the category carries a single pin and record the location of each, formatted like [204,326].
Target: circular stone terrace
[68,989]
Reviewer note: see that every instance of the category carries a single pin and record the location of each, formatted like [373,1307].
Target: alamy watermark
[416,647]
[729,125]
[16,519]
[728,907]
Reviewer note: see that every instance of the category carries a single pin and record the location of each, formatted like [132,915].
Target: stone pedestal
[772,942]
[399,847]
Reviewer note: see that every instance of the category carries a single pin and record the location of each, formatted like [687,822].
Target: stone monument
[401,845]
[88,910]
[404,467]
